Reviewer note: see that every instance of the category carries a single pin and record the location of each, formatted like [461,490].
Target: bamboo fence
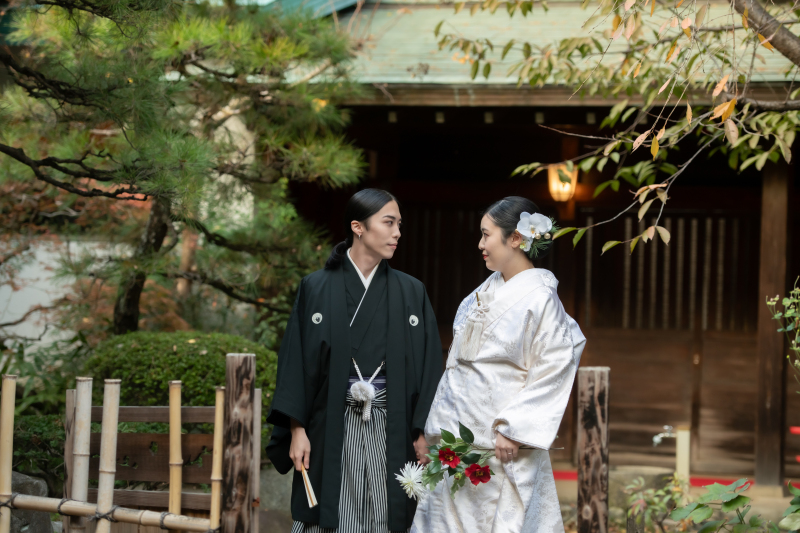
[105,512]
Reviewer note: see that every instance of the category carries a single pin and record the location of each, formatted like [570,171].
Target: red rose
[478,474]
[449,458]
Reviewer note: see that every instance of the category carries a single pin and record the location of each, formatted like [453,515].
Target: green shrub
[146,362]
[39,449]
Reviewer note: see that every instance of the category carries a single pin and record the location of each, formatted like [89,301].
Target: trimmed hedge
[147,361]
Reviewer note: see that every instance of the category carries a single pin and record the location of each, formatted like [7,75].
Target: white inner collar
[366,281]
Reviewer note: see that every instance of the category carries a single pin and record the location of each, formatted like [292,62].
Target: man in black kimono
[356,320]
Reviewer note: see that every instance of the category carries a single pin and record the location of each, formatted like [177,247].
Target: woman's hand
[300,450]
[421,447]
[505,449]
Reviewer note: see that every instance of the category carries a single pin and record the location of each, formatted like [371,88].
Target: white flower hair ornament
[536,231]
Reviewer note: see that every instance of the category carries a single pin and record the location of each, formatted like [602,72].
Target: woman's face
[496,253]
[382,231]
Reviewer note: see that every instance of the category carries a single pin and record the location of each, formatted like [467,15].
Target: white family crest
[413,320]
[316,318]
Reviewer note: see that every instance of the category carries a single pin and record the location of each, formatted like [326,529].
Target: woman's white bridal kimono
[518,385]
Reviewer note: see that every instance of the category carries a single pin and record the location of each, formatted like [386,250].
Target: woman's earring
[359,236]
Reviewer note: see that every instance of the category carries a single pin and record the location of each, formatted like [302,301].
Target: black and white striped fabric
[362,500]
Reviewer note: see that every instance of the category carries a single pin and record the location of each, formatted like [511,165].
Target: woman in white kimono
[508,378]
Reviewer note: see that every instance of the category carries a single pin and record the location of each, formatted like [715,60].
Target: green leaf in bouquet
[790,522]
[461,449]
[435,467]
[791,509]
[794,490]
[735,503]
[465,433]
[711,526]
[448,437]
[702,513]
[471,458]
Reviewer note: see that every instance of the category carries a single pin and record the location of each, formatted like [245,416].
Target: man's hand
[300,450]
[505,449]
[421,447]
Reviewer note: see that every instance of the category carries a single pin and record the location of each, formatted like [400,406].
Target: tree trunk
[188,249]
[126,309]
[762,22]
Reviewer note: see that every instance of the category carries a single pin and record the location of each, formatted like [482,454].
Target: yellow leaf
[474,9]
[653,8]
[679,4]
[459,6]
[719,110]
[661,90]
[318,103]
[662,195]
[720,86]
[651,232]
[687,32]
[630,26]
[663,233]
[675,54]
[616,22]
[633,243]
[636,72]
[744,19]
[640,139]
[731,131]
[688,114]
[654,148]
[661,133]
[671,51]
[766,43]
[728,111]
[607,246]
[700,16]
[644,208]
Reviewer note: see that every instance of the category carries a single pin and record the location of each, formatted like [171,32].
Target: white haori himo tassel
[473,330]
[364,391]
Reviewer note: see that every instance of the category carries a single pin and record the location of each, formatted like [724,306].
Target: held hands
[300,449]
[505,449]
[421,448]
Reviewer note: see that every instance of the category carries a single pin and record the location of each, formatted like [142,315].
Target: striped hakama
[362,499]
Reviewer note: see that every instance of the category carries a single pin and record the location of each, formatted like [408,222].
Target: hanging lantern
[562,182]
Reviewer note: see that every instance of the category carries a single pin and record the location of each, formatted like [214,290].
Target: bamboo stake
[108,453]
[175,457]
[216,458]
[120,514]
[6,446]
[80,446]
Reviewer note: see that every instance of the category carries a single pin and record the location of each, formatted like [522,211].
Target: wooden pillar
[770,365]
[237,488]
[593,390]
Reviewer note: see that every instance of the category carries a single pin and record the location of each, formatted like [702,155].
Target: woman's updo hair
[361,206]
[505,214]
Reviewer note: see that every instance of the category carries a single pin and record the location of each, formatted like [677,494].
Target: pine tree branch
[222,286]
[36,165]
[16,252]
[787,43]
[222,241]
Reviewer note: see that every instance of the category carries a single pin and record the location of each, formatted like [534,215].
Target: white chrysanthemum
[410,478]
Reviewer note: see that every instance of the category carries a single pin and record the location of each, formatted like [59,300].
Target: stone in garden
[29,521]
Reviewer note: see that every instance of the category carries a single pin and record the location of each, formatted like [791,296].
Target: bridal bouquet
[455,456]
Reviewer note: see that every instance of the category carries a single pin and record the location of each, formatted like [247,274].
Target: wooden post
[7,398]
[593,390]
[770,365]
[256,479]
[69,435]
[175,456]
[79,444]
[683,452]
[216,457]
[237,499]
[108,453]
